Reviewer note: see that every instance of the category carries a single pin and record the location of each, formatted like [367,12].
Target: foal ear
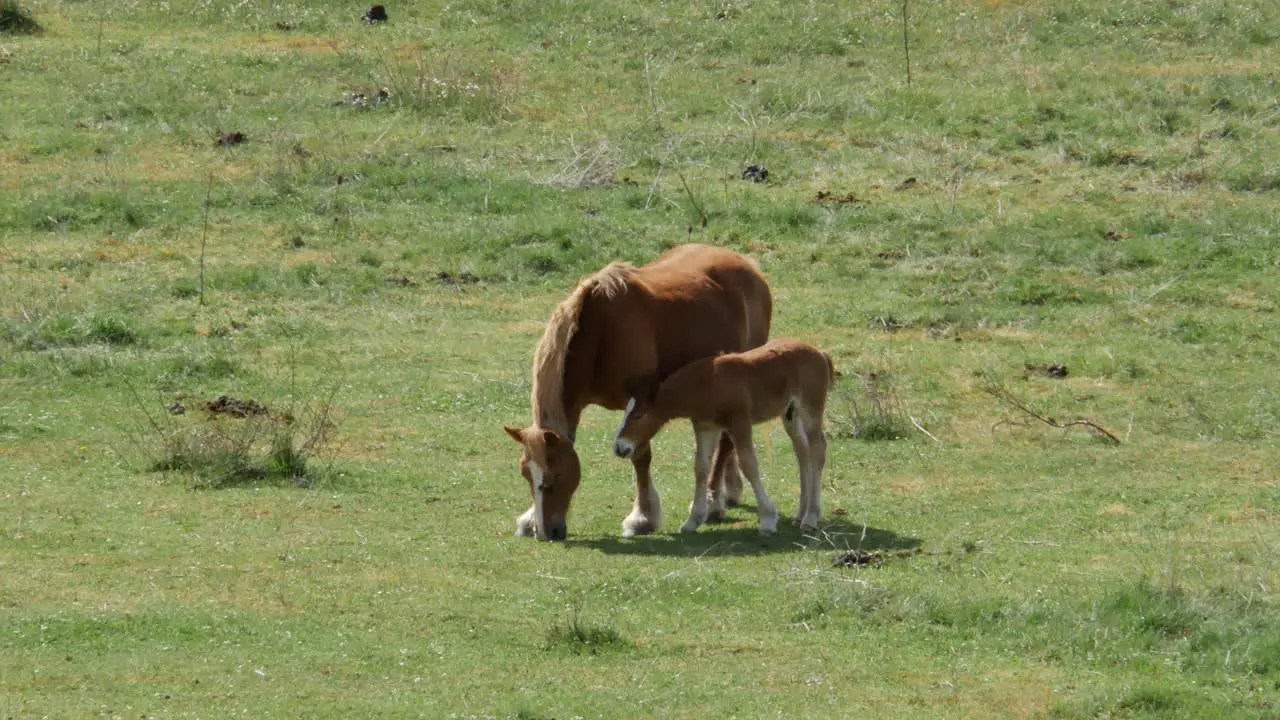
[515,434]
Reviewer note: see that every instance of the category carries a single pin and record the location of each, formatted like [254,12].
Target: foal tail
[832,372]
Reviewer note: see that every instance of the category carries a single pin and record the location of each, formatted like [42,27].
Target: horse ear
[515,434]
[551,438]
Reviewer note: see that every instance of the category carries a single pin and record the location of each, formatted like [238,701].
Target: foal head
[640,422]
[550,464]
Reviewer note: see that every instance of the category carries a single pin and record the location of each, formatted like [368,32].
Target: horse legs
[732,483]
[706,447]
[646,515]
[724,475]
[745,447]
[810,446]
[525,523]
[800,444]
[817,462]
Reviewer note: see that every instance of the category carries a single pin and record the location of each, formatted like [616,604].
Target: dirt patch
[755,173]
[873,558]
[463,278]
[907,184]
[375,14]
[225,405]
[365,101]
[858,558]
[826,197]
[1057,370]
[231,138]
[401,280]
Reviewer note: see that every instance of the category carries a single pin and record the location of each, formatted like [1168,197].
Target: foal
[731,393]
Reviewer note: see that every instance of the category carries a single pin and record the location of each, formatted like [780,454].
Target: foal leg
[732,480]
[742,442]
[817,462]
[706,447]
[800,443]
[646,515]
[723,464]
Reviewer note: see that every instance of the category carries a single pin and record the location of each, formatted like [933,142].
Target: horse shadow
[742,538]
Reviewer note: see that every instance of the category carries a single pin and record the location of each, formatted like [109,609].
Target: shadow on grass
[743,538]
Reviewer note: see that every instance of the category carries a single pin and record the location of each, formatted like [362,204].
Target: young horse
[621,329]
[732,392]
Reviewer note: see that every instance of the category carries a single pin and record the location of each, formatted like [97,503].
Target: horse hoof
[810,525]
[689,527]
[768,525]
[632,528]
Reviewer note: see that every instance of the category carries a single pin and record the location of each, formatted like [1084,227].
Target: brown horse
[624,329]
[731,393]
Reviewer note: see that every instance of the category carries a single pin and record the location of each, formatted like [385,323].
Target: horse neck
[558,405]
[684,393]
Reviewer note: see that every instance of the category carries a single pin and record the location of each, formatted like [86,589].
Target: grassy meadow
[1080,183]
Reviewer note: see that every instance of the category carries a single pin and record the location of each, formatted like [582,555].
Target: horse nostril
[621,450]
[558,532]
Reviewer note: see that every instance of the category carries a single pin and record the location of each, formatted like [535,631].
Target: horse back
[695,301]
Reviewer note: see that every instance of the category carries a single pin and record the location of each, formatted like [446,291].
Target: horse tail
[832,373]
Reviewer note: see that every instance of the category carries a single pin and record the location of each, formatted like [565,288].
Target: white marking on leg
[525,523]
[540,526]
[706,447]
[817,461]
[800,444]
[751,468]
[646,515]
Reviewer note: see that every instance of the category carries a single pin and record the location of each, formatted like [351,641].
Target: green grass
[1095,185]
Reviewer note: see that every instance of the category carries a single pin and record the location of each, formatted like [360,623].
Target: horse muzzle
[557,532]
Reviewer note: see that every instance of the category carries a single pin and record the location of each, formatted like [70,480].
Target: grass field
[1063,182]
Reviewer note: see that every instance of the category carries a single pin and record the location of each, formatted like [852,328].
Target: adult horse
[618,333]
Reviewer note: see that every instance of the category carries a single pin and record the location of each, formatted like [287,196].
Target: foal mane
[549,358]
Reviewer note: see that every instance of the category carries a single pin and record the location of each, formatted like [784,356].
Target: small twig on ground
[204,235]
[906,45]
[102,21]
[592,167]
[702,214]
[653,93]
[1162,288]
[1006,396]
[926,432]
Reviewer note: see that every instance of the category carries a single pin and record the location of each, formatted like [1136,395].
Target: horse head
[550,464]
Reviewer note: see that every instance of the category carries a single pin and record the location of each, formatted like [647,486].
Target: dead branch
[693,199]
[1006,396]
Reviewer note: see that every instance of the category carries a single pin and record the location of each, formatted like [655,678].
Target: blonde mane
[549,358]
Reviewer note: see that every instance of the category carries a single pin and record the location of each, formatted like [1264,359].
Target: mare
[730,394]
[623,329]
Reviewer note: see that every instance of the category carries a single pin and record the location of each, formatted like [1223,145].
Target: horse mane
[549,358]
